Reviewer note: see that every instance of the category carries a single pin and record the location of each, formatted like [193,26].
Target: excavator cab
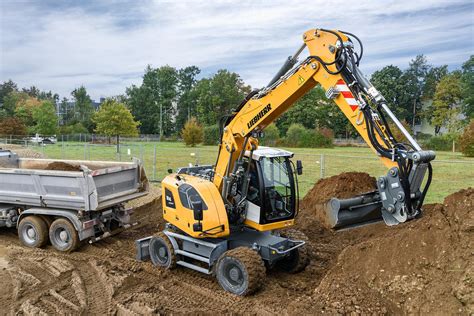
[273,190]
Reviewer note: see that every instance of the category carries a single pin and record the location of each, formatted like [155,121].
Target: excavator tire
[162,251]
[298,259]
[240,271]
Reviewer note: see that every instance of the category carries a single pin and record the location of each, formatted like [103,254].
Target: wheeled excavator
[229,219]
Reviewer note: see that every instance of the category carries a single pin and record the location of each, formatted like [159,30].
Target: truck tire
[298,259]
[33,231]
[63,236]
[240,271]
[162,251]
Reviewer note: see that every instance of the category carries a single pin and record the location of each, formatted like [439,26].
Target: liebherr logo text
[259,116]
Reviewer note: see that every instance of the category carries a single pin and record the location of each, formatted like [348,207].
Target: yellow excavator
[227,219]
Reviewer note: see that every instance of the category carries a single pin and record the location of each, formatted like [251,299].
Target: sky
[106,45]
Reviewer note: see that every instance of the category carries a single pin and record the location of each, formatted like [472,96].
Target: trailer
[84,202]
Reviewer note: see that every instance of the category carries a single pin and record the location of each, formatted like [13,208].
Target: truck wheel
[33,232]
[298,259]
[63,235]
[240,271]
[162,251]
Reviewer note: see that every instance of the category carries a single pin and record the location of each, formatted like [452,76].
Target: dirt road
[424,266]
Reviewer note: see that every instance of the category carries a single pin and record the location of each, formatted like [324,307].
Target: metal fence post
[154,162]
[322,163]
[85,151]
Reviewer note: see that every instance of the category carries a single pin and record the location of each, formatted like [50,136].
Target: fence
[451,172]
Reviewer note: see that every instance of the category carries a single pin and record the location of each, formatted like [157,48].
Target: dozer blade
[357,211]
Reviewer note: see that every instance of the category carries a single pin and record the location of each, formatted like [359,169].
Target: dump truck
[66,202]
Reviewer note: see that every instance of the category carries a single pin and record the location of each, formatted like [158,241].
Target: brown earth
[23,152]
[59,165]
[422,267]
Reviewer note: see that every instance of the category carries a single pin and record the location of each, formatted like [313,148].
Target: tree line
[169,97]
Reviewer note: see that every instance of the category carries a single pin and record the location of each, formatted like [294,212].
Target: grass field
[452,171]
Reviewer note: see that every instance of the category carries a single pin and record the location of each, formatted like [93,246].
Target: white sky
[106,45]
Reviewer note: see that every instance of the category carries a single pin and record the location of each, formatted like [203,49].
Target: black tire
[162,251]
[298,259]
[240,271]
[33,231]
[63,235]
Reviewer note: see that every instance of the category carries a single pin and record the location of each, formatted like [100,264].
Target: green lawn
[452,171]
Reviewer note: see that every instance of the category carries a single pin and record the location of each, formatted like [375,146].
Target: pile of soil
[342,186]
[59,165]
[23,152]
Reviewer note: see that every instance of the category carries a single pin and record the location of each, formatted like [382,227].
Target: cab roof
[268,152]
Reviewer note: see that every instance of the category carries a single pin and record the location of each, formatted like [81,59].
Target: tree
[83,106]
[153,102]
[12,126]
[6,88]
[25,106]
[186,105]
[114,119]
[192,132]
[314,110]
[218,95]
[433,77]
[66,112]
[467,87]
[415,78]
[445,109]
[11,100]
[467,140]
[45,118]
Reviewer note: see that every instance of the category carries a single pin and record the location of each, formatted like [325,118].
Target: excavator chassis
[202,254]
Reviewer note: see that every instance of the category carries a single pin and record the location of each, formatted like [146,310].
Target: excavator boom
[334,65]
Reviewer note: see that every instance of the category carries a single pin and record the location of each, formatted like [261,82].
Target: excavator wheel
[240,271]
[162,251]
[298,259]
[33,231]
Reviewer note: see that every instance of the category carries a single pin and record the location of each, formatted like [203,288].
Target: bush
[443,142]
[298,136]
[294,135]
[272,135]
[466,141]
[211,135]
[12,126]
[192,133]
[77,128]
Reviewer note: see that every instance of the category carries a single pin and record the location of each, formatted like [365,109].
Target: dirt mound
[22,152]
[59,165]
[421,267]
[342,186]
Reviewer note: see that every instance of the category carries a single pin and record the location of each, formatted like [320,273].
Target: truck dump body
[93,187]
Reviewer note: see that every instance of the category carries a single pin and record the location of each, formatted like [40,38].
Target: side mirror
[299,167]
[197,210]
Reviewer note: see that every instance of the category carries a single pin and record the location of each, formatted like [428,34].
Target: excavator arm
[332,63]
